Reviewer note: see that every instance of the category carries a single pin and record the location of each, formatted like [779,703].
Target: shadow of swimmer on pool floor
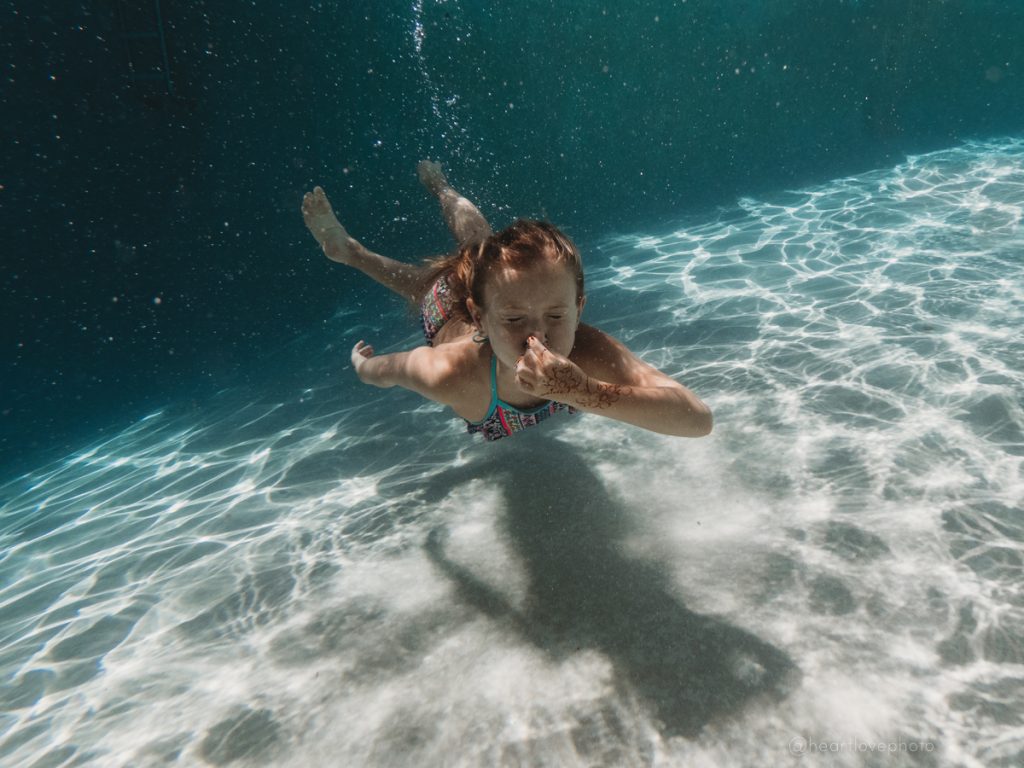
[584,594]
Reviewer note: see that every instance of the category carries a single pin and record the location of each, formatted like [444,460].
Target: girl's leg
[463,218]
[404,279]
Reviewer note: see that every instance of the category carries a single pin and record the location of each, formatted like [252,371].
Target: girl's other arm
[423,370]
[611,381]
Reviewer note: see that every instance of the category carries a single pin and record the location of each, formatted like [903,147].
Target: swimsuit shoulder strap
[494,387]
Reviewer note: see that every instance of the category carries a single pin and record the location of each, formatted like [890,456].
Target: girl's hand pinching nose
[544,373]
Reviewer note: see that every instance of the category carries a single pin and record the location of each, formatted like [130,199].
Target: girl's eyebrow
[516,308]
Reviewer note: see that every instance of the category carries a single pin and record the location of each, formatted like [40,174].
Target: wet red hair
[519,246]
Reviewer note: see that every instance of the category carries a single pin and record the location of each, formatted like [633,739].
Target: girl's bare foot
[432,177]
[325,227]
[462,217]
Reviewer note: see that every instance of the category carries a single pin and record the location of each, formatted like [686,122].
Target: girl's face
[539,301]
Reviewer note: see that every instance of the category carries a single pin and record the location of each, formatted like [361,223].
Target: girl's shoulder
[450,374]
[467,367]
[606,358]
[462,354]
[592,343]
[451,331]
[464,359]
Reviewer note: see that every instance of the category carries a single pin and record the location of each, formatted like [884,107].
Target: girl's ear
[579,310]
[475,314]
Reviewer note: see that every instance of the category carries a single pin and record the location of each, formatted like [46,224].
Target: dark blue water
[217,546]
[119,191]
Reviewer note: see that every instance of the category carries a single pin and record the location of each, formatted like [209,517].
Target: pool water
[312,572]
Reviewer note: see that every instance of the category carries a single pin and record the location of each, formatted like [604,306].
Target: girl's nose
[539,336]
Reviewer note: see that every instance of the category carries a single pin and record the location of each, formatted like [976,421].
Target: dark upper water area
[155,154]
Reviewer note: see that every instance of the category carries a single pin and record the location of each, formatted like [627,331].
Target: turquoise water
[303,571]
[149,211]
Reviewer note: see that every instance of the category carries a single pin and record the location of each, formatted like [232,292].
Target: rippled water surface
[332,575]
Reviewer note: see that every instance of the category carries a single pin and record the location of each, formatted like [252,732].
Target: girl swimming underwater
[505,347]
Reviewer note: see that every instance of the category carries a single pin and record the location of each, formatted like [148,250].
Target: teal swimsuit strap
[494,387]
[496,401]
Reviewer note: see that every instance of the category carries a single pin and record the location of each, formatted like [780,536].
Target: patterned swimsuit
[503,419]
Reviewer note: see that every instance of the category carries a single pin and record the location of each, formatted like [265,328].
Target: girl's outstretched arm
[611,381]
[424,370]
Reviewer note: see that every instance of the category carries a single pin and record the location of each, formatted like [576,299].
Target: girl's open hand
[544,373]
[360,354]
